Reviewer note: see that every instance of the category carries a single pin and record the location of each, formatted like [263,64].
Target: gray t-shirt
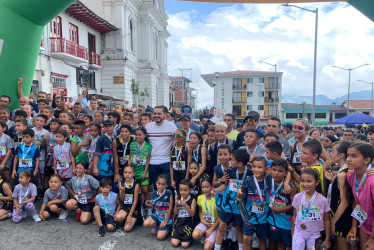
[39,135]
[6,143]
[61,194]
[259,150]
[23,194]
[108,203]
[87,185]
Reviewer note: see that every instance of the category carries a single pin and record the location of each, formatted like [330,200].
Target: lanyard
[363,179]
[79,184]
[139,149]
[110,138]
[237,175]
[60,151]
[223,170]
[305,210]
[93,146]
[132,184]
[2,139]
[23,150]
[206,206]
[106,204]
[188,198]
[25,196]
[179,154]
[341,169]
[258,187]
[163,192]
[52,138]
[274,192]
[125,147]
[196,156]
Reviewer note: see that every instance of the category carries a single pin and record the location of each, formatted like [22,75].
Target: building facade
[104,45]
[239,92]
[183,94]
[360,106]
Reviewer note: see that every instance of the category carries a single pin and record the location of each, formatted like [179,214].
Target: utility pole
[183,85]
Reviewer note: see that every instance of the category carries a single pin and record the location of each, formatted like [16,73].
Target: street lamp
[214,81]
[371,98]
[315,59]
[349,80]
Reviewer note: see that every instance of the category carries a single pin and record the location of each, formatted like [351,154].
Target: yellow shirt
[232,135]
[201,203]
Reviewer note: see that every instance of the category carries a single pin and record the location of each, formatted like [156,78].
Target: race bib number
[296,159]
[313,215]
[180,166]
[61,165]
[182,213]
[161,214]
[128,199]
[123,160]
[82,199]
[25,163]
[258,208]
[359,214]
[139,161]
[233,185]
[2,151]
[209,218]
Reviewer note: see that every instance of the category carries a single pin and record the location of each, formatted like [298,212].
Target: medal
[303,226]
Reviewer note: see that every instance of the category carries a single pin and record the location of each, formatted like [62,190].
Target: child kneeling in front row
[106,207]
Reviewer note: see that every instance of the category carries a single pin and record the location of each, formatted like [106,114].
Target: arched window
[131,35]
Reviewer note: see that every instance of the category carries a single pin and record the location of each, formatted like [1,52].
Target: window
[272,110]
[56,30]
[237,110]
[340,115]
[321,115]
[273,82]
[87,80]
[237,83]
[249,107]
[73,31]
[249,80]
[236,97]
[260,107]
[261,93]
[59,82]
[261,80]
[131,35]
[301,115]
[291,115]
[178,83]
[249,94]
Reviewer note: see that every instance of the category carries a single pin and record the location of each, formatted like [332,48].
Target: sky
[210,37]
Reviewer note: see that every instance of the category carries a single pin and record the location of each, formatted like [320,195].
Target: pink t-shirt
[365,198]
[314,221]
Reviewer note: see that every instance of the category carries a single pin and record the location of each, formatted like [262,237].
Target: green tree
[137,95]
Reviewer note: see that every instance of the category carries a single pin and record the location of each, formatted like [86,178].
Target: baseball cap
[108,122]
[253,115]
[287,125]
[214,120]
[187,117]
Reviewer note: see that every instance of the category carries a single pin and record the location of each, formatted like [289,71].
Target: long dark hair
[144,131]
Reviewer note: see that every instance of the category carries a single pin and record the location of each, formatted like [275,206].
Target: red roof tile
[359,103]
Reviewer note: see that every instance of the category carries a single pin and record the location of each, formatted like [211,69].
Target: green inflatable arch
[22,23]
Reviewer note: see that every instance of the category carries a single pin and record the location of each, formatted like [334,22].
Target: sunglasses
[178,135]
[300,128]
[186,111]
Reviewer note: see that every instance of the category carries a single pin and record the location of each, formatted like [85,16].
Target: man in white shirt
[160,134]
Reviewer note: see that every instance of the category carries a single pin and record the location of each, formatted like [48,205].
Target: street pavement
[56,234]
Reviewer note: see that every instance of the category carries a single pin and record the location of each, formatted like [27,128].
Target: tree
[137,95]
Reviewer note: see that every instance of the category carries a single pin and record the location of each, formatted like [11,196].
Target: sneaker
[255,241]
[63,215]
[154,230]
[224,244]
[10,215]
[78,215]
[24,214]
[36,218]
[234,245]
[101,231]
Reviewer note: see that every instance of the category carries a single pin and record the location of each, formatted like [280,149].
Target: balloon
[22,23]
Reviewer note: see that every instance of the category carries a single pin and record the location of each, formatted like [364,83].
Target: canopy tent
[355,119]
[366,7]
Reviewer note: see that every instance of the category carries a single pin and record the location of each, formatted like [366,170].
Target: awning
[80,12]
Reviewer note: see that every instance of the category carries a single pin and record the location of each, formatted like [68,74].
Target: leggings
[23,209]
[302,238]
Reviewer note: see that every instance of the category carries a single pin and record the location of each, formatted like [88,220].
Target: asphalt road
[56,234]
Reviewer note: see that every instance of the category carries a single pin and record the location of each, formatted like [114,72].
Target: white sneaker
[255,241]
[36,218]
[63,215]
[24,215]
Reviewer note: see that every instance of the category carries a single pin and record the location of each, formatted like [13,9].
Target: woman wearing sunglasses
[327,142]
[300,130]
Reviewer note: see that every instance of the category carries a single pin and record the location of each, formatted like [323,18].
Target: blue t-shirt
[161,205]
[229,195]
[280,220]
[108,204]
[256,205]
[104,149]
[26,157]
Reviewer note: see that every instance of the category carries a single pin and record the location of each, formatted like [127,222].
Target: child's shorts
[204,228]
[158,222]
[227,217]
[182,230]
[48,210]
[127,209]
[87,207]
[42,166]
[280,235]
[260,229]
[106,219]
[142,182]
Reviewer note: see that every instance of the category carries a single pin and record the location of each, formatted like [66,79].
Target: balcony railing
[271,100]
[61,45]
[94,58]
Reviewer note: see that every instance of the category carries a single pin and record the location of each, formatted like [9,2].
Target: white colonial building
[104,45]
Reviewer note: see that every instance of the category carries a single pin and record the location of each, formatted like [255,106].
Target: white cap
[214,120]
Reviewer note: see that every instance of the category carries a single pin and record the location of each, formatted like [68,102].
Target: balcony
[94,60]
[271,100]
[68,50]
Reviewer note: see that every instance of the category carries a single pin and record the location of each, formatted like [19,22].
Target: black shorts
[127,209]
[8,207]
[48,210]
[178,176]
[344,224]
[182,230]
[106,218]
[86,207]
[49,171]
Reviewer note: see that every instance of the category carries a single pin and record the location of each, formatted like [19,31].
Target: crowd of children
[100,170]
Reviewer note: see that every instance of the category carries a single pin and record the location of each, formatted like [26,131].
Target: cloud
[238,36]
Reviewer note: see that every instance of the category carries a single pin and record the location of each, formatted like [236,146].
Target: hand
[117,177]
[128,220]
[121,188]
[328,175]
[183,203]
[326,244]
[84,143]
[41,216]
[188,146]
[225,178]
[14,174]
[239,193]
[370,172]
[193,181]
[205,222]
[163,224]
[213,192]
[17,210]
[173,185]
[149,203]
[95,171]
[287,189]
[49,204]
[2,165]
[354,232]
[21,80]
[333,228]
[144,176]
[208,232]
[35,173]
[369,244]
[275,209]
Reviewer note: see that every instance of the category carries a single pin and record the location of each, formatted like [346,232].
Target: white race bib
[182,213]
[359,214]
[258,208]
[128,199]
[25,163]
[62,165]
[82,199]
[161,214]
[2,151]
[233,185]
[209,218]
[313,215]
[179,166]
